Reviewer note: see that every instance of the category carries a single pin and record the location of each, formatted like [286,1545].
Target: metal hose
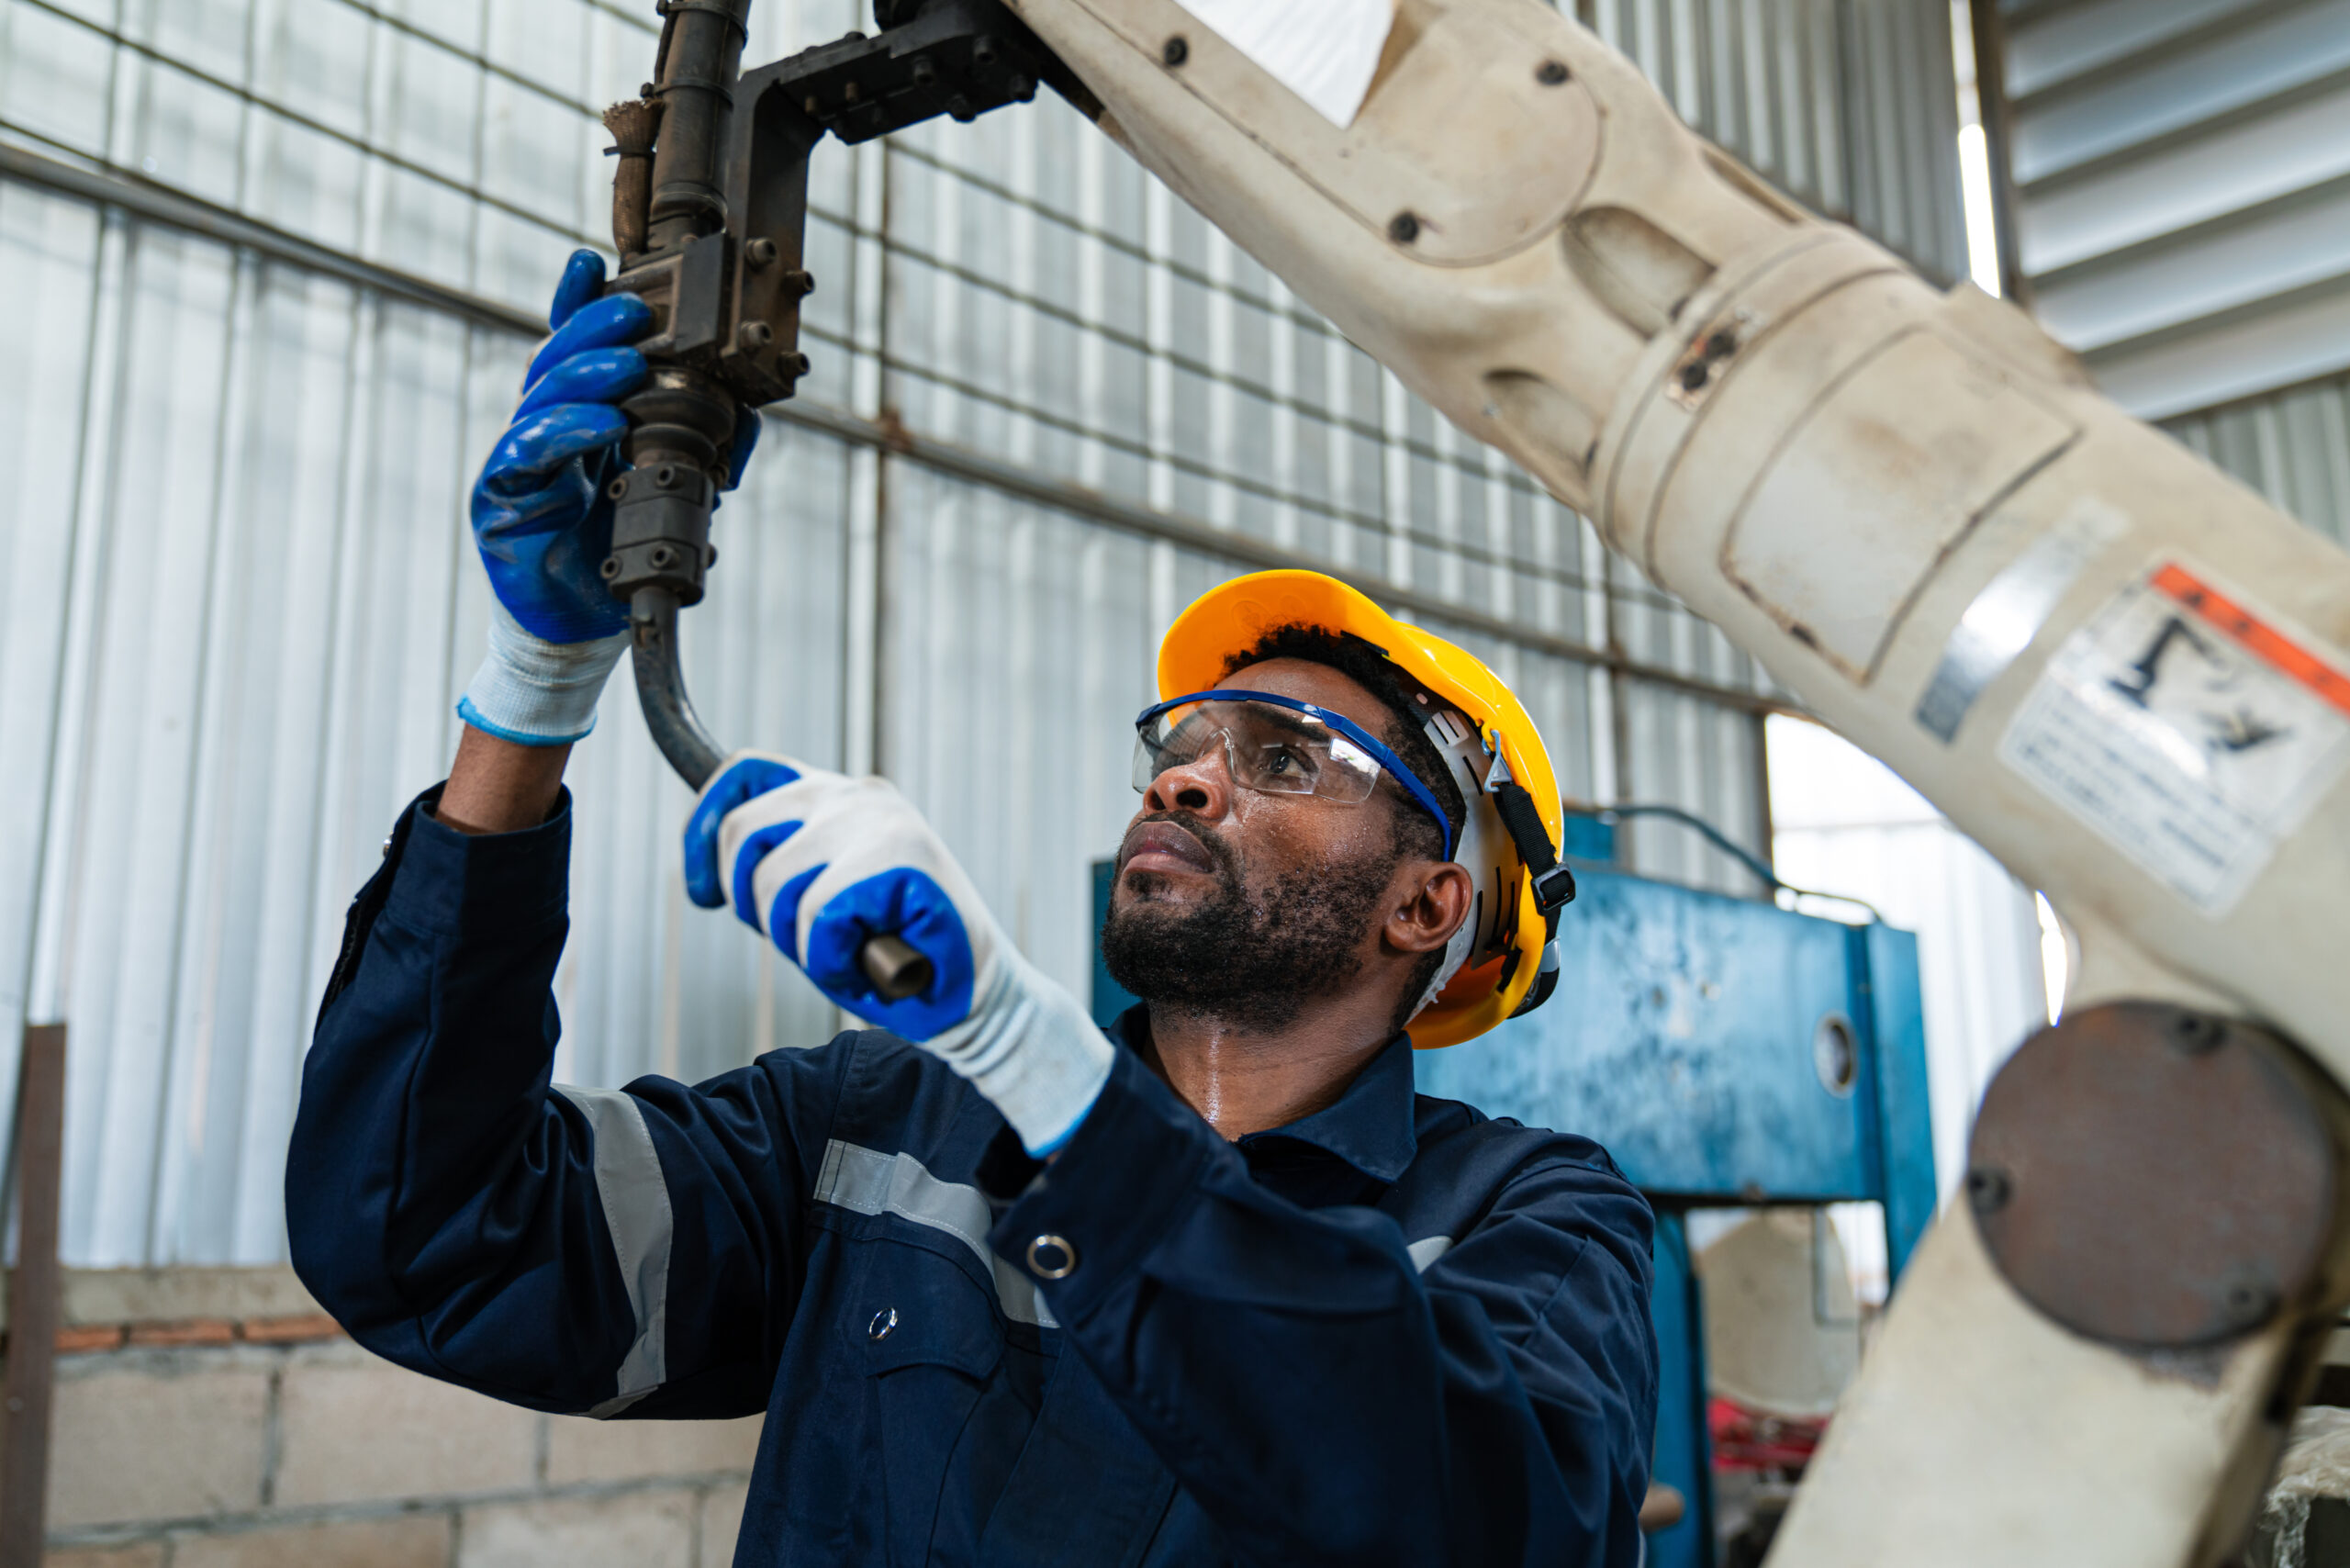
[666,201]
[661,688]
[896,970]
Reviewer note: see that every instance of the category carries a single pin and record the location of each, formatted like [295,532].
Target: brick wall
[213,1417]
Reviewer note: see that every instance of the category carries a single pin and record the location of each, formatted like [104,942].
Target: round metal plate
[2152,1176]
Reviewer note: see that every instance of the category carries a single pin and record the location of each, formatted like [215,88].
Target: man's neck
[1245,1080]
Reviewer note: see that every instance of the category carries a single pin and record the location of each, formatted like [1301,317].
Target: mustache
[1227,860]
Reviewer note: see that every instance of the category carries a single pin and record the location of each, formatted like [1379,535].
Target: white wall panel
[254,659]
[456,139]
[246,598]
[270,605]
[51,250]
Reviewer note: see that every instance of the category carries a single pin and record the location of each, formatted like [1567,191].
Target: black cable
[1611,815]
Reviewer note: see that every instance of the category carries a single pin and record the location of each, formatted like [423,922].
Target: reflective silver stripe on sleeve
[1427,1250]
[867,1182]
[636,1210]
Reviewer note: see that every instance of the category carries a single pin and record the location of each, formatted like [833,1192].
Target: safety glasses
[1275,745]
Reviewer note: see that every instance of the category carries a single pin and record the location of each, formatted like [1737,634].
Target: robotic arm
[2120,671]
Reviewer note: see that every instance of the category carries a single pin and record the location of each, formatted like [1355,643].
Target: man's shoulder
[1458,1134]
[1492,1164]
[1475,1168]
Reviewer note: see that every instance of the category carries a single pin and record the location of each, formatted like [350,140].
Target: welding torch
[710,205]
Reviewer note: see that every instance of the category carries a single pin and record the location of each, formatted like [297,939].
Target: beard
[1251,955]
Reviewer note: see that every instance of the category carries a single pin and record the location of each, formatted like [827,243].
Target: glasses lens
[1172,740]
[1271,750]
[1283,752]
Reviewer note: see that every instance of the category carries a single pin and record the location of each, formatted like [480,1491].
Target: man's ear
[1435,901]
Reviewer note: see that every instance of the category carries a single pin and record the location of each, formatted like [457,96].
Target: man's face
[1248,904]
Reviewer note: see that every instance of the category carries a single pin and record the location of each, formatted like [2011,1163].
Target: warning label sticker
[2187,731]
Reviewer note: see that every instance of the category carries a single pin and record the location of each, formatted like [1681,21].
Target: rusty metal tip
[896,969]
[633,125]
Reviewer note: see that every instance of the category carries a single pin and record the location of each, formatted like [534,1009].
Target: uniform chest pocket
[934,1350]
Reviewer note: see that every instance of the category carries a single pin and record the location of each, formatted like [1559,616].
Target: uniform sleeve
[461,1215]
[1319,1396]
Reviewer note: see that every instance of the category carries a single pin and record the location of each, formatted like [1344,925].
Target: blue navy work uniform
[1395,1331]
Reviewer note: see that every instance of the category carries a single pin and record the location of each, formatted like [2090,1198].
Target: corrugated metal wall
[245,481]
[244,597]
[2292,446]
[2181,174]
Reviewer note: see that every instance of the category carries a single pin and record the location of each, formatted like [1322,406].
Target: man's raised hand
[819,862]
[542,518]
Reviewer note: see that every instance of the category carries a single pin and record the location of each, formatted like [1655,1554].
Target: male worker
[1215,1288]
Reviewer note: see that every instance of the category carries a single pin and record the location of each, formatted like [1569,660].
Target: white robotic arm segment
[1777,419]
[2122,672]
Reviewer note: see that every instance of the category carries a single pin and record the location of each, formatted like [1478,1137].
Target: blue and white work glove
[542,520]
[820,862]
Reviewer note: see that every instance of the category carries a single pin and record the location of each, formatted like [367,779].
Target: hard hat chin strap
[1554,884]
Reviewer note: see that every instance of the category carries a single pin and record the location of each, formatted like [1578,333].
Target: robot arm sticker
[2187,731]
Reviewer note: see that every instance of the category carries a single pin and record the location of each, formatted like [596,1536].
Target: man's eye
[1284,763]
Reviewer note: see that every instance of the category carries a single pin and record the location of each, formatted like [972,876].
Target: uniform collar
[1370,1126]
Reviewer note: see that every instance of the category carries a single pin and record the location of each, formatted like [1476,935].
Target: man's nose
[1201,786]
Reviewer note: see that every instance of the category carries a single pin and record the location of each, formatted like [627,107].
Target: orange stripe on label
[2265,643]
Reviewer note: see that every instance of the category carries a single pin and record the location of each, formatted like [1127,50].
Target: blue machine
[1726,1052]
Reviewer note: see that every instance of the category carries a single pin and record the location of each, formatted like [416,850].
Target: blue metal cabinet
[1724,1051]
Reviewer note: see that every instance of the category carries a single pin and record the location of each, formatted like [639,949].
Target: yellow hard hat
[1502,962]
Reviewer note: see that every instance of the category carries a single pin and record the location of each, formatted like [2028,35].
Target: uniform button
[1051,1258]
[885,1323]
